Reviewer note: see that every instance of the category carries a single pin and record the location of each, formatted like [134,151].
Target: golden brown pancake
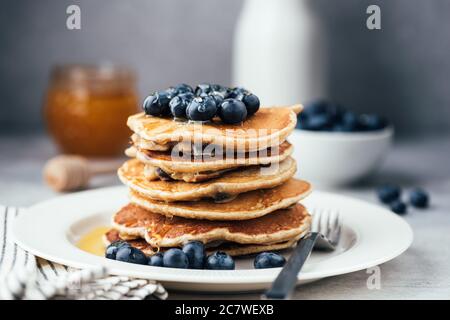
[190,164]
[161,231]
[231,183]
[267,127]
[155,173]
[233,249]
[248,205]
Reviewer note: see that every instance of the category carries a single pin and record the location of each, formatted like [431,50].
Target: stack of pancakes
[228,186]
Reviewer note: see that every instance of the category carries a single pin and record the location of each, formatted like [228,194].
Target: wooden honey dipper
[72,172]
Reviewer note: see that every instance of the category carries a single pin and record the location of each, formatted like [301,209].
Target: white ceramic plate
[50,229]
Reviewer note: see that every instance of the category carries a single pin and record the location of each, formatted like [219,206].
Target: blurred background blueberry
[322,115]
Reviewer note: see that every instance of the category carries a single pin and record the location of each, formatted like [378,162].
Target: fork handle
[287,278]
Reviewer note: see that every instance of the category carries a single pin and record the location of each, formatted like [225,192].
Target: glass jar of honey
[86,108]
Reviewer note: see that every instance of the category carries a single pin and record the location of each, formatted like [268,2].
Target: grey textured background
[401,71]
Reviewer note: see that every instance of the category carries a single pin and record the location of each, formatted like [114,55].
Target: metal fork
[325,234]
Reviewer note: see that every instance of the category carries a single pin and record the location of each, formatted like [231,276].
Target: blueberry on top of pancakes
[157,104]
[237,93]
[233,111]
[203,89]
[251,102]
[179,103]
[201,109]
[183,88]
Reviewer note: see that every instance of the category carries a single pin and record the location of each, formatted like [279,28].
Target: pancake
[231,183]
[267,127]
[161,231]
[190,164]
[249,205]
[154,173]
[233,249]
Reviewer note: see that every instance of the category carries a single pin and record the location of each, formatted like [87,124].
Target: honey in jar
[86,108]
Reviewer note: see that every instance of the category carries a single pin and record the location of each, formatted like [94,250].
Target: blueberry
[175,258]
[171,92]
[163,175]
[388,193]
[156,260]
[317,122]
[268,260]
[335,111]
[201,109]
[237,93]
[419,198]
[203,89]
[179,103]
[111,250]
[232,111]
[371,122]
[195,251]
[222,90]
[131,255]
[315,108]
[157,104]
[218,97]
[398,207]
[219,261]
[183,88]
[349,121]
[251,102]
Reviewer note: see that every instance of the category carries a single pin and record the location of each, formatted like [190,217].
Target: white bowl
[331,159]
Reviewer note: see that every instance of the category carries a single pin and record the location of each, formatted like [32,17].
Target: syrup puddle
[92,241]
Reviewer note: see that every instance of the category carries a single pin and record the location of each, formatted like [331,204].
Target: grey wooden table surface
[423,272]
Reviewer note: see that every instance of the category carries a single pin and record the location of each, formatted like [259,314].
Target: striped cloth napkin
[24,276]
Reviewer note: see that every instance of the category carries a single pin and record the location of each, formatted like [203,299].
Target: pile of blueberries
[324,115]
[191,256]
[391,195]
[206,101]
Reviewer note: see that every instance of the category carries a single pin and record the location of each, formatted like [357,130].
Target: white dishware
[371,235]
[278,52]
[332,159]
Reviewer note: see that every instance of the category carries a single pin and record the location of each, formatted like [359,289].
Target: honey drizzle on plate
[92,241]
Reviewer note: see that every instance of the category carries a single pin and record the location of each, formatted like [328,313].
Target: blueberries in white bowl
[266,260]
[220,261]
[323,115]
